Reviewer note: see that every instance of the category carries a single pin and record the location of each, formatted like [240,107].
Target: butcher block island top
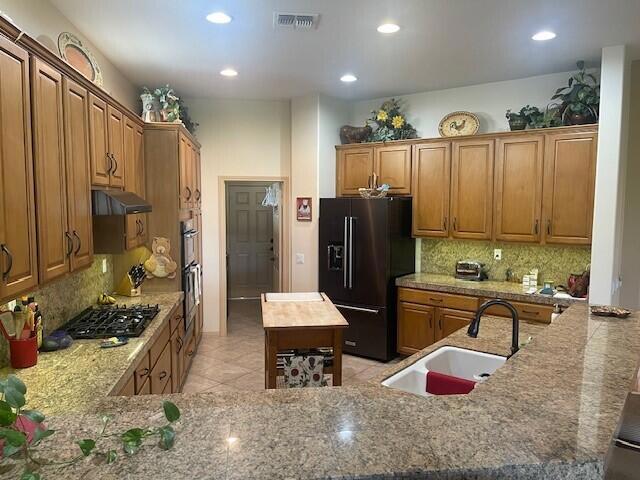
[299,310]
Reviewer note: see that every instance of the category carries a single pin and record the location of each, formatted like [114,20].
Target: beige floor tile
[218,371]
[253,381]
[223,387]
[195,384]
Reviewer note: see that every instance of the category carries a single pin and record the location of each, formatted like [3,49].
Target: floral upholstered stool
[304,371]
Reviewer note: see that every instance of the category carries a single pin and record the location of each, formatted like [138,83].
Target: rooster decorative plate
[79,57]
[456,124]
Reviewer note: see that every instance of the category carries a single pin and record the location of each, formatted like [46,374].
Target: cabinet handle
[444,223]
[549,226]
[189,193]
[440,323]
[436,300]
[144,372]
[455,226]
[69,244]
[430,323]
[110,165]
[190,353]
[138,227]
[535,228]
[180,344]
[115,169]
[198,194]
[77,250]
[141,227]
[529,312]
[6,250]
[162,375]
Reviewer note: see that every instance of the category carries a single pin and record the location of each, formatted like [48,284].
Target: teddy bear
[160,264]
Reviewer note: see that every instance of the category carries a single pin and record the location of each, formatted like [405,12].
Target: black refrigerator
[364,245]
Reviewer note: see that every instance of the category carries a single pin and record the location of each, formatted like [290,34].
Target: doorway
[253,249]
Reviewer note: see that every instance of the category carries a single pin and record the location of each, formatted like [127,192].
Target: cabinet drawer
[158,347]
[526,311]
[437,299]
[161,372]
[142,372]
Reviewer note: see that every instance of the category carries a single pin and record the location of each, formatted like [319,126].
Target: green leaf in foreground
[171,411]
[9,450]
[13,437]
[87,445]
[132,439]
[13,397]
[17,384]
[111,456]
[167,437]
[7,415]
[33,415]
[30,476]
[42,434]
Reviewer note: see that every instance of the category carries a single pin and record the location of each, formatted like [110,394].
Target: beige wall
[43,21]
[239,138]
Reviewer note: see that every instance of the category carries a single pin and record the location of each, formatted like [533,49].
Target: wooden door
[416,327]
[431,189]
[472,188]
[131,182]
[184,154]
[101,163]
[393,166]
[76,127]
[450,321]
[141,179]
[18,257]
[55,243]
[249,236]
[353,169]
[569,184]
[198,174]
[115,127]
[518,188]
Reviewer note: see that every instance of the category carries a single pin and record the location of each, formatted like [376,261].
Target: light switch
[497,254]
[300,258]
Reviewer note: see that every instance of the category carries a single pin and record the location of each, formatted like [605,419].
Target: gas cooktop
[111,321]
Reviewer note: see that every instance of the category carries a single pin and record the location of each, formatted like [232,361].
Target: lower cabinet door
[129,389]
[450,321]
[416,327]
[146,388]
[189,350]
[161,372]
[177,344]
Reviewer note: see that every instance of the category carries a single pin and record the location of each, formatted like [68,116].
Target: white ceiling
[442,43]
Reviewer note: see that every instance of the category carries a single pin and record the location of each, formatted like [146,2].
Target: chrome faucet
[475,324]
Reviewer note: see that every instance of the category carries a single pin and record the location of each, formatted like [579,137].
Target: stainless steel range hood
[117,202]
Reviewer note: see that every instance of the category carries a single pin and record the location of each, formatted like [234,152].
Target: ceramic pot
[579,118]
[150,108]
[517,123]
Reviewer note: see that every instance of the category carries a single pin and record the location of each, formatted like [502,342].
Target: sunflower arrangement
[391,123]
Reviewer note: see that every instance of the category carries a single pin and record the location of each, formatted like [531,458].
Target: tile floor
[236,362]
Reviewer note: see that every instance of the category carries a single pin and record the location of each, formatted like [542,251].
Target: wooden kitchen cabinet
[134,181]
[518,188]
[450,321]
[431,189]
[101,163]
[18,248]
[354,167]
[76,125]
[177,356]
[186,160]
[161,371]
[189,350]
[115,128]
[416,327]
[568,189]
[472,188]
[392,165]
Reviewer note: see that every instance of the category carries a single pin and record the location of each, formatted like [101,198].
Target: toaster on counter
[470,270]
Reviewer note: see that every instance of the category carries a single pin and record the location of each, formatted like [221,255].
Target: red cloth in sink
[441,384]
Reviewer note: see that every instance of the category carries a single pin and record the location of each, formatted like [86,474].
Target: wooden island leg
[337,357]
[271,359]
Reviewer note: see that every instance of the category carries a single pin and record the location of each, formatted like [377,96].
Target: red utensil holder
[24,353]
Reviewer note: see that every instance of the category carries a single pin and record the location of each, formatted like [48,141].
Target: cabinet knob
[162,375]
[144,372]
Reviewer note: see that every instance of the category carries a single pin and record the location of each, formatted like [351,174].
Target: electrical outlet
[497,254]
[104,265]
[300,258]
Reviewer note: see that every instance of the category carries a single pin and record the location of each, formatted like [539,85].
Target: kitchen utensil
[470,270]
[114,342]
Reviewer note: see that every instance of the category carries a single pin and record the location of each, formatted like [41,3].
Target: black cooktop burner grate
[111,321]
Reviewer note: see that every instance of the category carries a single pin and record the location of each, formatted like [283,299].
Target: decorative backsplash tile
[554,263]
[62,299]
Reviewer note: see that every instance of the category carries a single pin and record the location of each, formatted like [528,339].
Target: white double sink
[453,361]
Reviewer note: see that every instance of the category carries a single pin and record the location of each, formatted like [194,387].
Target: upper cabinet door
[55,243]
[198,167]
[354,168]
[141,184]
[518,188]
[569,183]
[131,184]
[115,126]
[101,163]
[393,167]
[472,188]
[76,121]
[186,194]
[18,258]
[431,187]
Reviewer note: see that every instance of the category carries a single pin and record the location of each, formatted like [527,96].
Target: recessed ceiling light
[388,28]
[543,35]
[218,17]
[348,78]
[229,72]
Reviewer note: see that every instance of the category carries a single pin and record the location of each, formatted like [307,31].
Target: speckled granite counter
[76,378]
[548,413]
[486,288]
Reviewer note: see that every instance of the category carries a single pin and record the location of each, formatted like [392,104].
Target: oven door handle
[190,234]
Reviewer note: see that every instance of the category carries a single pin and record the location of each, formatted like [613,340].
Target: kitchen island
[548,413]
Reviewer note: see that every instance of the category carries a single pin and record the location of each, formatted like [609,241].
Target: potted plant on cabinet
[517,120]
[580,99]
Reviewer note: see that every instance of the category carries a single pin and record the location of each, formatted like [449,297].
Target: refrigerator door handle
[346,253]
[351,219]
[357,309]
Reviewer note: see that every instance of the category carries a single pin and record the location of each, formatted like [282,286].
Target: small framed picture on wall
[303,209]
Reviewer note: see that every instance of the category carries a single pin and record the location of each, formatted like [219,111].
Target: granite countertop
[549,413]
[75,379]
[486,288]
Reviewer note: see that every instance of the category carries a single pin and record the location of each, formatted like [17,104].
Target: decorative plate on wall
[79,57]
[459,123]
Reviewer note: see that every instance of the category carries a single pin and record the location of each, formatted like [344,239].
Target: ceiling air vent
[295,21]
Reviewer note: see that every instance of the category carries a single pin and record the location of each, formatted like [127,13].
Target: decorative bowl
[372,193]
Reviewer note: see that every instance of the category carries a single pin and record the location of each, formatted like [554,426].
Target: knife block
[126,287]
